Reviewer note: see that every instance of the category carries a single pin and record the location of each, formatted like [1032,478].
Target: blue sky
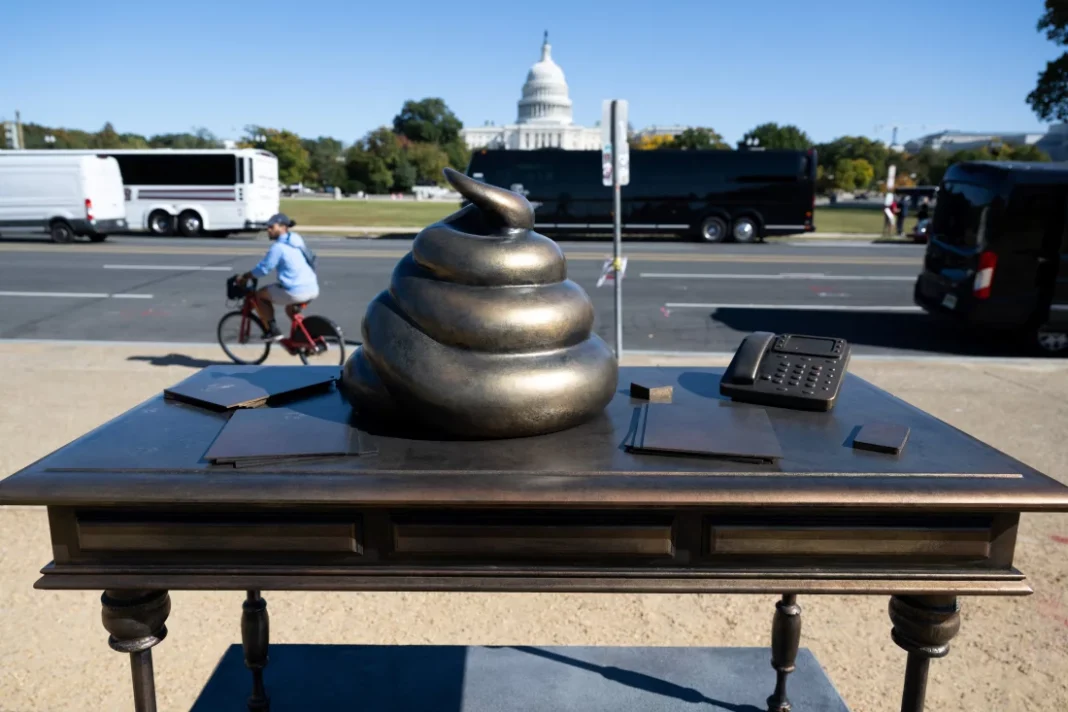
[341,69]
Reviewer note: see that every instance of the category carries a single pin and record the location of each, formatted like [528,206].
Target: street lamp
[259,138]
[50,140]
[752,143]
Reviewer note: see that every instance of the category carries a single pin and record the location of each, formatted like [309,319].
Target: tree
[698,139]
[199,138]
[404,175]
[459,154]
[371,162]
[1049,98]
[773,136]
[863,173]
[106,137]
[326,159]
[845,177]
[651,143]
[1029,152]
[874,152]
[294,164]
[429,162]
[427,121]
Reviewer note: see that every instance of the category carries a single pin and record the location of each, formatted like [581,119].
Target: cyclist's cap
[280,219]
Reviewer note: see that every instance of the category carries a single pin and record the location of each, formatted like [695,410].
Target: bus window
[251,178]
[240,170]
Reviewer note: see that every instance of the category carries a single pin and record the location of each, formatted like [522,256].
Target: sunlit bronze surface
[480,333]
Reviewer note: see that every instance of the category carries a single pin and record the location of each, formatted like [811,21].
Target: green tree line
[422,140]
[849,162]
[424,137]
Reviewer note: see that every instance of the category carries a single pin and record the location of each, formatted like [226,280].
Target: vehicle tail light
[984,276]
[88,209]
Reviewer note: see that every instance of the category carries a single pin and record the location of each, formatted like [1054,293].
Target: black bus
[713,195]
[997,255]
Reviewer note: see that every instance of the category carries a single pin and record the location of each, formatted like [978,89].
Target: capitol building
[544,118]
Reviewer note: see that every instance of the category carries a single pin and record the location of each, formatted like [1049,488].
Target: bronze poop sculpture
[480,333]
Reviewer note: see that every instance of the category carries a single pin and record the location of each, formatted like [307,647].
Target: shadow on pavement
[910,331]
[179,360]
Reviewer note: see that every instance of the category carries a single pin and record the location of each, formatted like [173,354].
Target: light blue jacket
[294,273]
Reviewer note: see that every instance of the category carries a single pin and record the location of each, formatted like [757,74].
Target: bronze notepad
[716,429]
[271,435]
[250,387]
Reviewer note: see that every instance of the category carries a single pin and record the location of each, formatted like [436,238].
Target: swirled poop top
[480,333]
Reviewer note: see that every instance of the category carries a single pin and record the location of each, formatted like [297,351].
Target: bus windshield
[963,213]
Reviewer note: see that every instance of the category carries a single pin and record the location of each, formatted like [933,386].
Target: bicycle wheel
[329,342]
[248,348]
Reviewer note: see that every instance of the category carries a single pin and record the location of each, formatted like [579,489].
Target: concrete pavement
[1011,654]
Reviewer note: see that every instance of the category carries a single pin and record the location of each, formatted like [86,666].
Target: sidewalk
[371,231]
[1011,654]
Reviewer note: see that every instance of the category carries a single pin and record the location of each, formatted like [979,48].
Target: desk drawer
[189,536]
[547,541]
[950,544]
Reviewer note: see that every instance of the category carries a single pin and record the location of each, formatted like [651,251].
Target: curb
[364,231]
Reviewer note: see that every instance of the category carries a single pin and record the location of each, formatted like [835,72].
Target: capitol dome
[545,96]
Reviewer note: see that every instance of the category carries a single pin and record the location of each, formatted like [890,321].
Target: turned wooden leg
[785,637]
[135,619]
[255,633]
[923,626]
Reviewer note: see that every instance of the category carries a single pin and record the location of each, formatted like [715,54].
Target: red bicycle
[242,334]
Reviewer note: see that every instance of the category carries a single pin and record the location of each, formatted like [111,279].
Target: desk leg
[255,632]
[923,626]
[135,619]
[785,637]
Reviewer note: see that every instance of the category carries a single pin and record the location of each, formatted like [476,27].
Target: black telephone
[787,371]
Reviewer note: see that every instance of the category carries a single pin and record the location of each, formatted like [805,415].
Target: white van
[62,195]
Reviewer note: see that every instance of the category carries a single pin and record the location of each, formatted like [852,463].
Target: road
[677,296]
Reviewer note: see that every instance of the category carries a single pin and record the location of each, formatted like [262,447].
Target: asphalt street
[677,296]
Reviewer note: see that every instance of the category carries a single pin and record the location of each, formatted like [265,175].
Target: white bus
[195,191]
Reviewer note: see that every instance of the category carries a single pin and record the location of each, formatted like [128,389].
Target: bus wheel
[160,223]
[713,229]
[1053,343]
[745,230]
[190,223]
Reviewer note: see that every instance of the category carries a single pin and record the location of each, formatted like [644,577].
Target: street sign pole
[617,236]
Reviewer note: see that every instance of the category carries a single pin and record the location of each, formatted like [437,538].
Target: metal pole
[617,239]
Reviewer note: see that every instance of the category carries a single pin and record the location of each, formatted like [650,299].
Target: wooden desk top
[135,504]
[154,454]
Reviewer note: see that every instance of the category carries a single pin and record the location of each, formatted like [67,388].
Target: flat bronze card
[714,429]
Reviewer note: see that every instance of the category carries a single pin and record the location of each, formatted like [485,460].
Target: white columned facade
[543,115]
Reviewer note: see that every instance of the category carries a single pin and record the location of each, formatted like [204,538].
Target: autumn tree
[651,143]
[698,139]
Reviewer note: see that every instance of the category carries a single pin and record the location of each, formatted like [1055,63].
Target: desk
[135,511]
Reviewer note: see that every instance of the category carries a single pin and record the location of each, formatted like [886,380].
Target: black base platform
[372,678]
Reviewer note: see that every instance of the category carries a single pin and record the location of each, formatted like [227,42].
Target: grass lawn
[366,213]
[407,213]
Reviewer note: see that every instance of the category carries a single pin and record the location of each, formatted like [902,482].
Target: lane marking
[796,307]
[173,268]
[76,295]
[784,275]
[358,253]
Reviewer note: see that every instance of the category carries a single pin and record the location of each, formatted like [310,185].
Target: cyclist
[297,283]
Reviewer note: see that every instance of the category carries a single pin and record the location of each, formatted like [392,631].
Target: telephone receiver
[787,371]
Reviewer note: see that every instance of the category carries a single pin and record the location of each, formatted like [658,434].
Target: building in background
[544,117]
[964,140]
[653,131]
